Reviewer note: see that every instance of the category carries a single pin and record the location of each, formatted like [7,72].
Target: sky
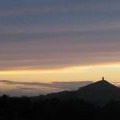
[47,41]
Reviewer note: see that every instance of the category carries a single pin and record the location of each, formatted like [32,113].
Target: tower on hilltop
[103,78]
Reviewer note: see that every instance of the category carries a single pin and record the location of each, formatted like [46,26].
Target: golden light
[73,73]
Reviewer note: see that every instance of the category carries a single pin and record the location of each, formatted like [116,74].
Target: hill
[100,93]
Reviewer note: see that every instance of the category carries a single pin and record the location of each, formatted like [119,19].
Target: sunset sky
[48,41]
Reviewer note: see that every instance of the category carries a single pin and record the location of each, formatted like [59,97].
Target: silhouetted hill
[85,102]
[100,85]
[100,93]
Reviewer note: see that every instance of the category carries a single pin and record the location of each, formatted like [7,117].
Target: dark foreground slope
[93,101]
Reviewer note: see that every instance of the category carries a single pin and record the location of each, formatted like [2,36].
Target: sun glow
[74,73]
